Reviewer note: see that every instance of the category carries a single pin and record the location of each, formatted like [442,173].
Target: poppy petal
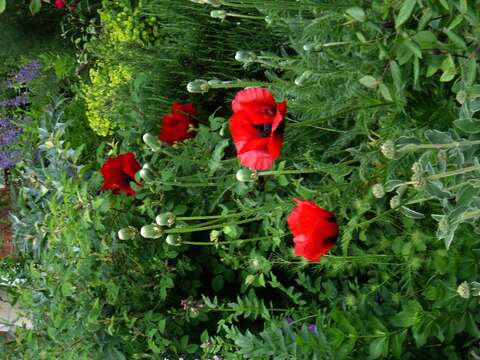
[256,160]
[245,97]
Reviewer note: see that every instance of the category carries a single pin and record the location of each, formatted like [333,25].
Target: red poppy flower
[59,4]
[257,127]
[118,172]
[176,125]
[314,229]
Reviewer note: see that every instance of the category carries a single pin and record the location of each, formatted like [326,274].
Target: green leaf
[217,283]
[3,5]
[469,71]
[412,214]
[470,126]
[396,75]
[396,342]
[35,6]
[466,195]
[378,347]
[414,48]
[385,92]
[405,12]
[425,39]
[357,13]
[408,316]
[369,81]
[457,40]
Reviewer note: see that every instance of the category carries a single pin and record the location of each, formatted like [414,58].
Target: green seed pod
[165,219]
[395,201]
[198,86]
[218,14]
[174,240]
[127,233]
[245,56]
[245,175]
[151,231]
[152,141]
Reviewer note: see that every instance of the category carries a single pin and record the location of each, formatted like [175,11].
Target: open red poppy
[256,127]
[176,125]
[314,229]
[118,172]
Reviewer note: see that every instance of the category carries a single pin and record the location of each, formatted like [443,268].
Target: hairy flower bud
[395,201]
[303,77]
[151,231]
[174,240]
[218,14]
[388,149]
[245,175]
[378,191]
[146,174]
[245,56]
[463,290]
[198,86]
[165,219]
[127,233]
[152,141]
[215,235]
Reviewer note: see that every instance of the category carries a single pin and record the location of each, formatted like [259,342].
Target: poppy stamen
[263,130]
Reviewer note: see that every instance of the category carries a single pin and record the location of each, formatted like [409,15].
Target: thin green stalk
[211,227]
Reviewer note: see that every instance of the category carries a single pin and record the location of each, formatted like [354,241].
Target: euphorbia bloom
[314,229]
[257,127]
[178,125]
[118,172]
[59,4]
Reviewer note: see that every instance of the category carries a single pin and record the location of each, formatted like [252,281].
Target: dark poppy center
[263,130]
[127,178]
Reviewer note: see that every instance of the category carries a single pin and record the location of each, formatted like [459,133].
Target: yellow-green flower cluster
[122,24]
[100,95]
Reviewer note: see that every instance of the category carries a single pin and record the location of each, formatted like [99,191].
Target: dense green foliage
[381,130]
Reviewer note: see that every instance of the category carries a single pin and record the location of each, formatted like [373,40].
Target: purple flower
[289,321]
[7,159]
[312,328]
[14,102]
[28,73]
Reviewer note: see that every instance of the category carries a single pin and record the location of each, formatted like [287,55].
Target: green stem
[212,243]
[245,16]
[454,172]
[211,227]
[285,172]
[456,144]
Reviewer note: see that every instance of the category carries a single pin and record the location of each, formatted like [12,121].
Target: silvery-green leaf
[412,214]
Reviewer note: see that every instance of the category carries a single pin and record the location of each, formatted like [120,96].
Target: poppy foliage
[257,127]
[177,125]
[118,172]
[314,229]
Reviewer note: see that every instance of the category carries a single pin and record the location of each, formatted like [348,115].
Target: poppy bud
[127,233]
[152,141]
[464,290]
[378,191]
[146,174]
[151,231]
[198,86]
[388,149]
[165,219]
[245,56]
[174,240]
[218,14]
[215,235]
[302,78]
[245,175]
[395,201]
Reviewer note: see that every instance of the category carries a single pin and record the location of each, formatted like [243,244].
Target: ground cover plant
[249,179]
